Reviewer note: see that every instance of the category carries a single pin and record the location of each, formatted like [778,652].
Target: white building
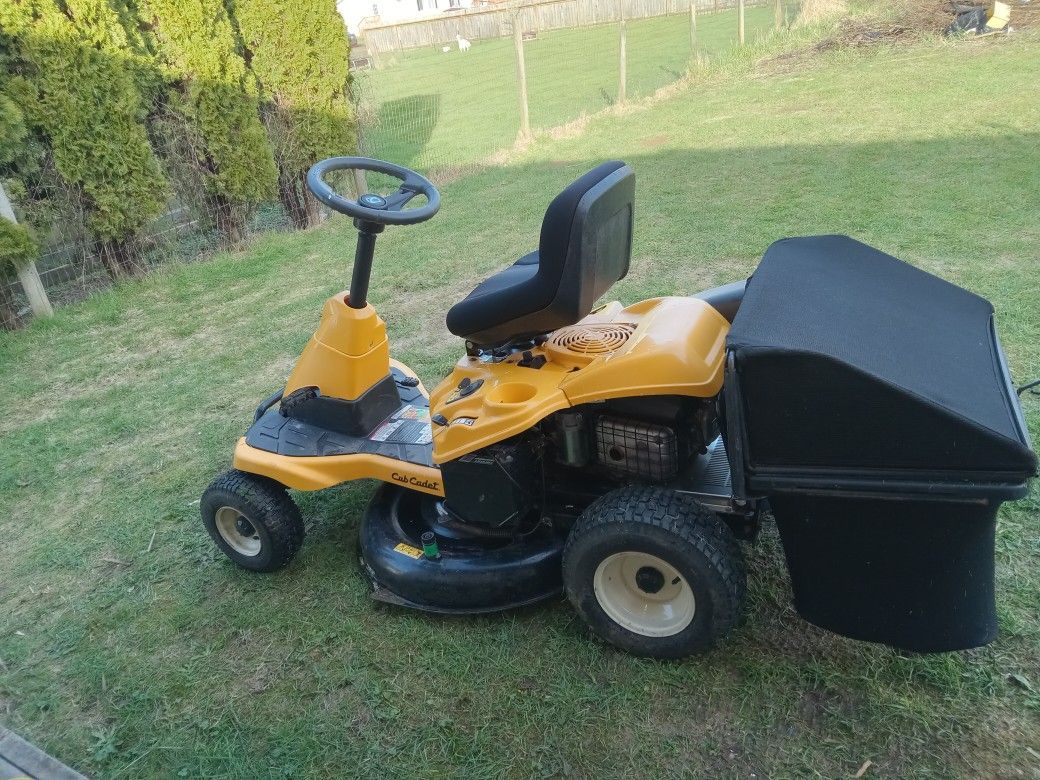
[359,12]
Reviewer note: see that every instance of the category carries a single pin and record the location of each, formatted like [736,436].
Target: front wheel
[654,573]
[252,520]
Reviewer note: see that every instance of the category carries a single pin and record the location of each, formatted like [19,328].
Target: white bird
[463,43]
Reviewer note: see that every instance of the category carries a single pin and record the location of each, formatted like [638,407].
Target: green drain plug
[429,546]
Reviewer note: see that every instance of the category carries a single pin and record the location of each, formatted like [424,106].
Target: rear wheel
[253,520]
[654,573]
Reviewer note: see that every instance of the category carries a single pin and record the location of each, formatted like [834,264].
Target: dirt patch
[444,175]
[655,141]
[993,748]
[571,129]
[424,311]
[911,21]
[850,33]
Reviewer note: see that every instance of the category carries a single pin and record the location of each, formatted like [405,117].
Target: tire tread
[270,505]
[679,516]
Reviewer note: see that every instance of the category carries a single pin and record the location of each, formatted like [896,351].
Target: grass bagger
[620,454]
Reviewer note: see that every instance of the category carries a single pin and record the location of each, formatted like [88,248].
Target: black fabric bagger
[871,402]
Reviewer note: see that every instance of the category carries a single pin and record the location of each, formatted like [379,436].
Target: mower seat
[584,247]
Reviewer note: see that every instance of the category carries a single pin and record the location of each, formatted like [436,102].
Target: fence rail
[480,23]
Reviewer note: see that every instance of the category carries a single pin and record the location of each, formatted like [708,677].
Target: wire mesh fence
[72,264]
[430,98]
[434,99]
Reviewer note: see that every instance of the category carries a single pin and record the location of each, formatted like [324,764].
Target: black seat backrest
[585,246]
[586,240]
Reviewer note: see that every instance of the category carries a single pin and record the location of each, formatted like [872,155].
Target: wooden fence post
[778,13]
[622,90]
[27,273]
[740,22]
[693,28]
[521,77]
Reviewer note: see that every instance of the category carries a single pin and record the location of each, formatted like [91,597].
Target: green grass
[434,109]
[174,664]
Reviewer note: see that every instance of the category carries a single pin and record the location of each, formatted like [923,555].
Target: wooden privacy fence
[476,23]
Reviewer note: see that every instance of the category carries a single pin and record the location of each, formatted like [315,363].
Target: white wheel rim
[240,536]
[645,594]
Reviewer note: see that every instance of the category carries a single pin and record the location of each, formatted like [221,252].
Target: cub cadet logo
[429,484]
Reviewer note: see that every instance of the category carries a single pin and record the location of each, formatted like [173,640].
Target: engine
[507,487]
[641,440]
[635,448]
[496,487]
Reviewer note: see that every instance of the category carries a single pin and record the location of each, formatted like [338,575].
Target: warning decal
[407,549]
[408,425]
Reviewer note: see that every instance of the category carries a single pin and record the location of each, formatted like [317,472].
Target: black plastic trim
[724,299]
[353,418]
[949,490]
[1016,407]
[267,403]
[736,436]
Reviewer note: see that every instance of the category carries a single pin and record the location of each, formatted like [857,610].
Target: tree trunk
[300,206]
[227,219]
[110,260]
[310,203]
[121,257]
[290,200]
[8,310]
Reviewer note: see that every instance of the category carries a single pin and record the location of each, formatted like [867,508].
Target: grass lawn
[127,662]
[435,109]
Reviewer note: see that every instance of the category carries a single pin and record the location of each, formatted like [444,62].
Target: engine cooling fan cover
[582,344]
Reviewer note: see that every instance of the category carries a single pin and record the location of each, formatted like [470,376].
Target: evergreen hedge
[85,104]
[17,246]
[211,91]
[300,54]
[105,103]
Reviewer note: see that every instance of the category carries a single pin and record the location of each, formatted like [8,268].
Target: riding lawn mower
[622,454]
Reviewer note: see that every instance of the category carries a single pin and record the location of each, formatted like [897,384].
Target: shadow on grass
[404,127]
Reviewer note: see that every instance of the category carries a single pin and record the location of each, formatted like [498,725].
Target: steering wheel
[371,207]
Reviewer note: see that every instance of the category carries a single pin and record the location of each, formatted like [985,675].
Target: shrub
[17,246]
[212,106]
[299,51]
[13,132]
[84,103]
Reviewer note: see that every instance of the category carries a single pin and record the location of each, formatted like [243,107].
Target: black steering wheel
[371,207]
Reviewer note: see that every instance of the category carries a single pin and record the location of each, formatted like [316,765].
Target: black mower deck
[471,575]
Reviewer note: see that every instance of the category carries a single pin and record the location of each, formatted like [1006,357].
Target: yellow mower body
[660,346]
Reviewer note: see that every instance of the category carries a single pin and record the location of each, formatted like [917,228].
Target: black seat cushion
[519,301]
[515,276]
